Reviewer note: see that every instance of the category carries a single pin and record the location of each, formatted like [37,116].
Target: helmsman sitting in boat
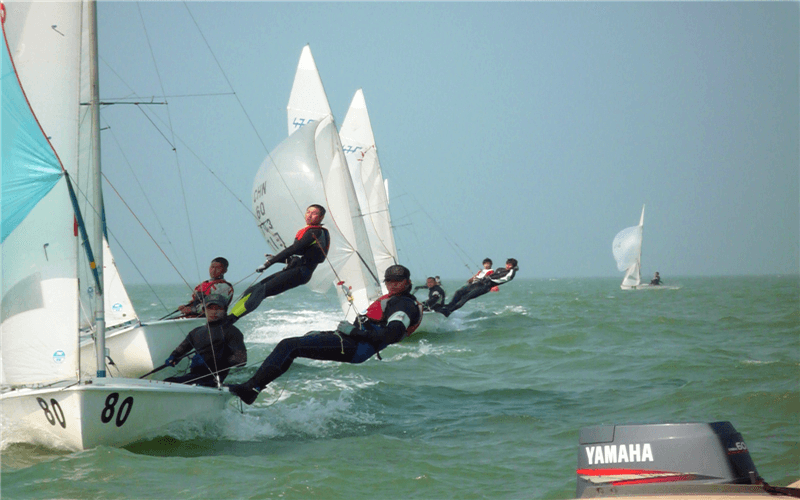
[656,279]
[218,346]
[215,285]
[310,248]
[388,320]
[486,284]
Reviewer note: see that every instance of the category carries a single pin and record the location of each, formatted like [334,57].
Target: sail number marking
[56,414]
[110,408]
[273,238]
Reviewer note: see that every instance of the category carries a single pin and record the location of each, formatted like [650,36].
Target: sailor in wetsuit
[388,320]
[656,279]
[436,296]
[218,346]
[488,283]
[309,249]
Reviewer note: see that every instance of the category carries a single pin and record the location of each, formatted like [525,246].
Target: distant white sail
[627,250]
[358,143]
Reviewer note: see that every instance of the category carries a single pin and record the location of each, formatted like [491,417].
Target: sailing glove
[264,267]
[171,361]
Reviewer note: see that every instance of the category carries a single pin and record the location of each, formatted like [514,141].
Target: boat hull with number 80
[111,412]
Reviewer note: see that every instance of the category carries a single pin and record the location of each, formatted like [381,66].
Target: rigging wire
[465,259]
[145,230]
[143,192]
[225,76]
[175,151]
[269,155]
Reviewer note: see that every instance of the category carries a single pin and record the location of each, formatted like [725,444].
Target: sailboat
[627,250]
[358,143]
[46,397]
[308,103]
[310,167]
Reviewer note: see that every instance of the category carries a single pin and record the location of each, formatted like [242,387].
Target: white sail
[39,252]
[306,168]
[627,250]
[119,309]
[307,102]
[358,143]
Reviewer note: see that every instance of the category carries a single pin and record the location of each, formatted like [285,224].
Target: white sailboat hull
[648,286]
[109,412]
[138,349]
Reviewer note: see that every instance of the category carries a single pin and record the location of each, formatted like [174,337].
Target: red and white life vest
[377,310]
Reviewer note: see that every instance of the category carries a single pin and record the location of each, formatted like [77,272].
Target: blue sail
[30,167]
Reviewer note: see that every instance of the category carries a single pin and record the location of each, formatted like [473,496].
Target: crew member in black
[309,249]
[488,283]
[656,279]
[436,296]
[218,346]
[388,320]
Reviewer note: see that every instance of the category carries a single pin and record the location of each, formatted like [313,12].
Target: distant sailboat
[310,167]
[45,396]
[627,249]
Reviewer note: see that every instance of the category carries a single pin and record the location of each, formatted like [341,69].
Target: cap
[216,298]
[396,273]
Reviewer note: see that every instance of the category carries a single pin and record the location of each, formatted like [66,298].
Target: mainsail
[627,250]
[39,254]
[358,143]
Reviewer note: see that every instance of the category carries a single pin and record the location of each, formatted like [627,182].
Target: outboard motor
[619,460]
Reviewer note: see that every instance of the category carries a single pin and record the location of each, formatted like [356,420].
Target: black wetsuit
[477,288]
[301,258]
[218,346]
[436,298]
[355,343]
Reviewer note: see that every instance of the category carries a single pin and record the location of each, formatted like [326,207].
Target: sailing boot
[247,392]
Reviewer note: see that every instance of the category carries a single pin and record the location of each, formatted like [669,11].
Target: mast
[97,236]
[641,242]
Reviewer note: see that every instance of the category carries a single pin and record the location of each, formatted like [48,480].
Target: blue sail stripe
[30,167]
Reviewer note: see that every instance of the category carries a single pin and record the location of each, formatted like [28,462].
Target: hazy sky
[527,130]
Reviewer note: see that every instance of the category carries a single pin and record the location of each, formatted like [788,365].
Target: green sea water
[486,404]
